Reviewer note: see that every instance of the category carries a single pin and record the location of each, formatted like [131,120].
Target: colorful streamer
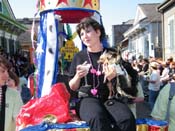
[47,53]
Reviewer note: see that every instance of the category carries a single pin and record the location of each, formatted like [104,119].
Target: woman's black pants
[109,116]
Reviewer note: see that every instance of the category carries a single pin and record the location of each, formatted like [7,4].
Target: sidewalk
[143,110]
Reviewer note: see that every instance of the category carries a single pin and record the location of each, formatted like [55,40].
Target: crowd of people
[156,77]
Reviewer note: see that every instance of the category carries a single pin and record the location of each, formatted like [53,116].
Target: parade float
[49,109]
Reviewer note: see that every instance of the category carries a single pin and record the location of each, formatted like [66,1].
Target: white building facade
[144,37]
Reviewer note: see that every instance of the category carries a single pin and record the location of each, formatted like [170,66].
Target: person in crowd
[143,74]
[135,65]
[91,83]
[170,60]
[160,108]
[22,77]
[171,69]
[139,65]
[160,65]
[154,84]
[145,67]
[10,100]
[13,82]
[164,78]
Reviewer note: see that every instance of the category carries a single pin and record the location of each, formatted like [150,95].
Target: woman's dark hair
[5,63]
[13,76]
[146,60]
[86,22]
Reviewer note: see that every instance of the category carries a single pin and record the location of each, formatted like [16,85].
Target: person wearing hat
[154,84]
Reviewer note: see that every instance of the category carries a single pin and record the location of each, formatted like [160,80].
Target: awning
[10,25]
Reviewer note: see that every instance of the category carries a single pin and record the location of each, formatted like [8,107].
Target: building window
[171,33]
[11,46]
[146,47]
[4,43]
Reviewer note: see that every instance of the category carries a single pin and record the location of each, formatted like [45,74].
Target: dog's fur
[125,85]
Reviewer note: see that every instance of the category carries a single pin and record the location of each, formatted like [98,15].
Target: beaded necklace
[95,73]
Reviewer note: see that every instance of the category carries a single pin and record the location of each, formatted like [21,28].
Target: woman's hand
[138,99]
[82,70]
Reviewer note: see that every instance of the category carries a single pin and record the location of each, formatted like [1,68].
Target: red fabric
[56,103]
[157,128]
[73,16]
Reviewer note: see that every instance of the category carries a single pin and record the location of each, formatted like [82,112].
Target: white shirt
[164,75]
[155,76]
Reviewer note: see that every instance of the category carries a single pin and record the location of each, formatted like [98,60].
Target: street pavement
[143,110]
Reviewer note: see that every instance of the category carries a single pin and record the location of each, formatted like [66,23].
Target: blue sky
[113,11]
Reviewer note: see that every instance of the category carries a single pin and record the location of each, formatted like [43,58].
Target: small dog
[123,86]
